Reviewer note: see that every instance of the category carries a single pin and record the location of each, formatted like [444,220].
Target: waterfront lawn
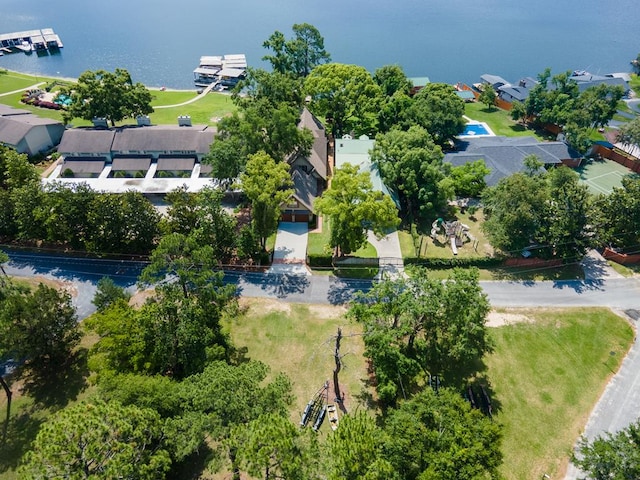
[204,111]
[499,121]
[546,376]
[10,81]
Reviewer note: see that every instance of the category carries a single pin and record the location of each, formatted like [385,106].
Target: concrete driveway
[388,248]
[290,252]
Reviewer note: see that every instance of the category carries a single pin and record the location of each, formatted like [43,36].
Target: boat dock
[30,41]
[224,71]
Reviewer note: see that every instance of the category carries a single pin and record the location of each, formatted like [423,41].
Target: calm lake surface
[161,41]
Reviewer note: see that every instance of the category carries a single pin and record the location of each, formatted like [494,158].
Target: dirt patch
[265,305]
[499,319]
[327,311]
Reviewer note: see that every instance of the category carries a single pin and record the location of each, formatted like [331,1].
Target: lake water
[161,41]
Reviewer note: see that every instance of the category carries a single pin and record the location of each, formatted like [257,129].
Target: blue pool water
[472,129]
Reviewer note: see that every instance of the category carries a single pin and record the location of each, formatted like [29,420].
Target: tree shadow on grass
[56,387]
[22,430]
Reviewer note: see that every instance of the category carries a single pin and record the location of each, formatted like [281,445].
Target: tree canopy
[435,436]
[617,215]
[353,206]
[268,185]
[108,95]
[346,96]
[417,327]
[299,55]
[438,109]
[548,212]
[612,456]
[411,162]
[98,440]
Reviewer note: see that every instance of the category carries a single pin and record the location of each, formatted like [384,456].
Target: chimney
[143,120]
[100,122]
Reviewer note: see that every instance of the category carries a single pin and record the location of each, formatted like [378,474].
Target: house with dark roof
[28,133]
[309,171]
[494,80]
[159,158]
[511,93]
[505,156]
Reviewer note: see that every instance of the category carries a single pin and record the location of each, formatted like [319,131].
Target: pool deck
[475,135]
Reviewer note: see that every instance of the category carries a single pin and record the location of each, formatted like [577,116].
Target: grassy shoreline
[204,111]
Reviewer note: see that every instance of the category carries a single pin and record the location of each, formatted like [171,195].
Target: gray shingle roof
[131,163]
[505,155]
[163,139]
[84,166]
[13,128]
[86,140]
[305,187]
[176,163]
[317,158]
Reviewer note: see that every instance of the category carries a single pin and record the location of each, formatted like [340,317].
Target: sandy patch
[265,306]
[499,319]
[327,311]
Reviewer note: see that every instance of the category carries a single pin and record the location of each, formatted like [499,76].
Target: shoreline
[39,78]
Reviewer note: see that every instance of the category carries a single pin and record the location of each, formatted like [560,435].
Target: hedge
[444,263]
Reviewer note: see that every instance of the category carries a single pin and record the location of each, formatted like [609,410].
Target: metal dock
[30,41]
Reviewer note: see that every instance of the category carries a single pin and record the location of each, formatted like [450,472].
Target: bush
[319,260]
[444,263]
[68,173]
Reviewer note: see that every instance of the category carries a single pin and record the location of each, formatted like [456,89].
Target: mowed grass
[499,120]
[546,377]
[206,110]
[299,340]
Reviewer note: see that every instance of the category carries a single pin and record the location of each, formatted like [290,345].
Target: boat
[332,412]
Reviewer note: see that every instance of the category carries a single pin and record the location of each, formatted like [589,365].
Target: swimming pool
[472,129]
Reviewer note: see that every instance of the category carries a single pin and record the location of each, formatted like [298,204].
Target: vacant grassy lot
[299,340]
[547,375]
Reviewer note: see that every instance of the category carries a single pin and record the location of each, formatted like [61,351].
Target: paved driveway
[388,248]
[290,252]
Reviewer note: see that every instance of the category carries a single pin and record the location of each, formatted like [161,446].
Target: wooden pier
[30,41]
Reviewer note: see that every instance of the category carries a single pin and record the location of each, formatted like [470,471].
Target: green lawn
[299,340]
[499,120]
[206,110]
[546,376]
[625,270]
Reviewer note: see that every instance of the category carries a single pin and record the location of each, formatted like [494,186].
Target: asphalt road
[618,406]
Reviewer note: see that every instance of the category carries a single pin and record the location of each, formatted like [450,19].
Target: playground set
[454,232]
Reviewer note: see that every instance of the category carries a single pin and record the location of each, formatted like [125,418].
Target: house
[418,84]
[505,156]
[510,93]
[146,158]
[494,80]
[357,151]
[28,133]
[309,172]
[586,80]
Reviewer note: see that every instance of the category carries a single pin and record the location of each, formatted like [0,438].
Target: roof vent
[143,121]
[100,122]
[184,121]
